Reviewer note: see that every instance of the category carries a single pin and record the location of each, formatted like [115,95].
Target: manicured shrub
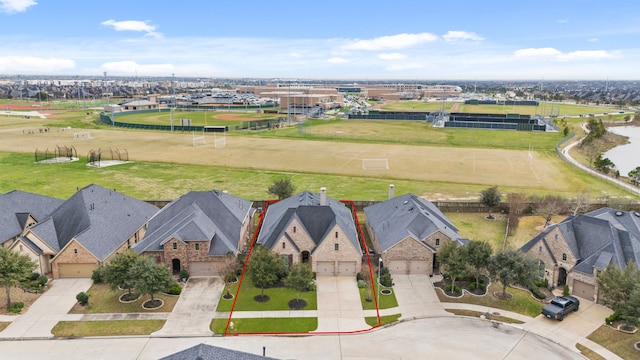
[535,290]
[565,291]
[42,280]
[613,317]
[184,275]
[175,289]
[385,280]
[456,289]
[362,284]
[311,286]
[358,276]
[98,275]
[16,307]
[34,276]
[82,298]
[472,286]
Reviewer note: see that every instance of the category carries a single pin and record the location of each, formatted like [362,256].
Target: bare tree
[581,202]
[517,203]
[550,206]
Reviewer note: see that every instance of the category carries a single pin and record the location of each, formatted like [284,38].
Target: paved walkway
[51,307]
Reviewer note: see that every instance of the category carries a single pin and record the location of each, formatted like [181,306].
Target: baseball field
[354,159]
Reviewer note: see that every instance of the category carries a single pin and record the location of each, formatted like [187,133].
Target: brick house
[312,228]
[407,231]
[85,231]
[574,251]
[197,230]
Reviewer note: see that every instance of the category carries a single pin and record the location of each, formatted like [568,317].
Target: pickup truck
[560,306]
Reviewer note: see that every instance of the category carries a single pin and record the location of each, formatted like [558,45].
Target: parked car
[560,306]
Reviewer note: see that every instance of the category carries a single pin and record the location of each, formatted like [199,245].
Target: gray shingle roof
[210,352]
[15,206]
[199,216]
[598,238]
[99,218]
[408,215]
[317,220]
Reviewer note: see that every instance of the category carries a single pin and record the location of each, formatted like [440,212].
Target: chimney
[323,196]
[391,192]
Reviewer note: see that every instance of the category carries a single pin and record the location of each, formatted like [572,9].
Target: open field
[435,163]
[198,118]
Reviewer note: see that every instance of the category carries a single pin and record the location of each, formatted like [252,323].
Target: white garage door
[76,270]
[583,290]
[397,266]
[346,268]
[203,268]
[418,267]
[325,268]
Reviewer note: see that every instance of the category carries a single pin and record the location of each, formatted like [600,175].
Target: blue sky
[359,40]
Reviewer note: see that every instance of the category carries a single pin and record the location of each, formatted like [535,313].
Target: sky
[351,40]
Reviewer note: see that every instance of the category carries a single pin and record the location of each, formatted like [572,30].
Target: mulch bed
[462,284]
[261,298]
[152,304]
[126,297]
[297,304]
[227,296]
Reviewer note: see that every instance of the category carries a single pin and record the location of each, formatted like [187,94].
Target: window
[294,229]
[197,246]
[540,248]
[437,242]
[336,246]
[284,244]
[175,246]
[75,252]
[564,256]
[336,236]
[20,247]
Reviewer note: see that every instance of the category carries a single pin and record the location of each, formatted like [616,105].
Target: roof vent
[618,213]
[636,213]
[405,202]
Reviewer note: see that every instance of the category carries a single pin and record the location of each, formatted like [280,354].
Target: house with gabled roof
[19,211]
[86,230]
[407,232]
[575,250]
[197,230]
[313,228]
[210,352]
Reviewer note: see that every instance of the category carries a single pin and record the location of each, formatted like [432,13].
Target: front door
[562,276]
[175,266]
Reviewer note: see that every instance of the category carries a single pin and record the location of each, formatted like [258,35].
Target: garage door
[583,290]
[325,268]
[76,270]
[346,268]
[397,266]
[203,268]
[418,267]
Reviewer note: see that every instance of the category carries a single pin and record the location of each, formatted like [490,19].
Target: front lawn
[384,320]
[266,325]
[278,298]
[386,301]
[588,353]
[616,341]
[106,328]
[17,295]
[522,301]
[104,300]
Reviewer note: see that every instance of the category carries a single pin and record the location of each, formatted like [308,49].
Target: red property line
[253,241]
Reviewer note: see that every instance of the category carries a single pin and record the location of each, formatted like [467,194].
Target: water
[625,157]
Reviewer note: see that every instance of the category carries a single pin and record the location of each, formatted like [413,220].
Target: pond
[625,156]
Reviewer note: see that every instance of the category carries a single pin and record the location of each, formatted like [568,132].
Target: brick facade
[73,253]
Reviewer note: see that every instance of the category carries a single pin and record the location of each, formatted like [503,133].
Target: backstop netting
[198,140]
[58,154]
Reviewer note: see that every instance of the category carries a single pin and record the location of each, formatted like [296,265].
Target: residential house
[574,251]
[313,228]
[407,231]
[85,231]
[197,230]
[210,352]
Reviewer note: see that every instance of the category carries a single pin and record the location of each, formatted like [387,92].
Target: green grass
[198,118]
[384,320]
[106,328]
[386,301]
[279,298]
[521,303]
[103,300]
[472,313]
[588,353]
[266,325]
[616,341]
[475,227]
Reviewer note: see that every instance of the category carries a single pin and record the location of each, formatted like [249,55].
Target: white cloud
[461,36]
[392,56]
[14,6]
[587,55]
[337,60]
[33,64]
[537,52]
[563,21]
[132,67]
[132,25]
[593,40]
[399,41]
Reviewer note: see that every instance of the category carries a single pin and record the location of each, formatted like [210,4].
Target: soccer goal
[375,164]
[219,140]
[199,140]
[82,135]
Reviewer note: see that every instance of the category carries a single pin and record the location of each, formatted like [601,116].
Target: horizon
[576,40]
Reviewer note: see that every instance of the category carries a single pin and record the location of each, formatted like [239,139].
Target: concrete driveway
[339,306]
[48,310]
[194,310]
[416,297]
